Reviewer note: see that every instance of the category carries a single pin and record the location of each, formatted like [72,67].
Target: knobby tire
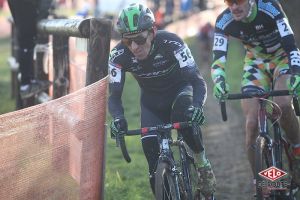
[262,162]
[189,174]
[166,186]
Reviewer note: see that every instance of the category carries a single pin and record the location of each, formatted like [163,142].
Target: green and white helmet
[135,18]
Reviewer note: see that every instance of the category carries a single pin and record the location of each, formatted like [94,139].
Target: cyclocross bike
[270,144]
[175,179]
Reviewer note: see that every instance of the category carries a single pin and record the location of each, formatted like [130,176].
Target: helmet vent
[126,21]
[147,18]
[135,20]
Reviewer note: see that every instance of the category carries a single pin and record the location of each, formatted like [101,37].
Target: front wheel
[166,184]
[263,160]
[189,174]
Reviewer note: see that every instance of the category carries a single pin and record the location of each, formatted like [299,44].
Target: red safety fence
[55,150]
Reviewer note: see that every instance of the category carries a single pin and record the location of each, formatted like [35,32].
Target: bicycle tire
[189,173]
[278,146]
[262,161]
[166,185]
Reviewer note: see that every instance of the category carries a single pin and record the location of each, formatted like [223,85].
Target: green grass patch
[7,104]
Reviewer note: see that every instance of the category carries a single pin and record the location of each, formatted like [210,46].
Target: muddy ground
[225,149]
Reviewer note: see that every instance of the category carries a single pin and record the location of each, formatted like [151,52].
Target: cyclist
[172,88]
[26,14]
[272,58]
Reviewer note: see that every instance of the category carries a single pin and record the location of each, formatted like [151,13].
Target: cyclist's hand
[295,83]
[195,115]
[221,88]
[118,127]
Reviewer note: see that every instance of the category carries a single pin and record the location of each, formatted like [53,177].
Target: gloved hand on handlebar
[295,83]
[221,88]
[118,127]
[195,115]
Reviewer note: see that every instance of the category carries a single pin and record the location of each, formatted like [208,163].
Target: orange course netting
[55,150]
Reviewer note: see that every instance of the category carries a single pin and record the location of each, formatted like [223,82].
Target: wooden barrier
[98,31]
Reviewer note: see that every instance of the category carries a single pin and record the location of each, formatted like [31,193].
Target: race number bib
[114,74]
[295,58]
[184,57]
[284,27]
[220,43]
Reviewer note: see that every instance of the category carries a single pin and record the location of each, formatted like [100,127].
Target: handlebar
[258,94]
[120,140]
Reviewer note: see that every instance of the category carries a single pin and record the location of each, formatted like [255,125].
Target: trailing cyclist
[272,61]
[172,88]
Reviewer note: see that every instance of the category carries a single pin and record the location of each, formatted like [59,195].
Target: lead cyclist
[172,88]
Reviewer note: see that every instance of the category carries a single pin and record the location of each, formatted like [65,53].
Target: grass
[7,104]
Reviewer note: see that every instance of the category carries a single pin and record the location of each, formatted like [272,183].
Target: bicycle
[174,179]
[269,143]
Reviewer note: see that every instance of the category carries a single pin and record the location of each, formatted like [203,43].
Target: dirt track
[225,148]
[224,141]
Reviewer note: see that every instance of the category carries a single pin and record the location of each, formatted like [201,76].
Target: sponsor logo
[259,27]
[115,53]
[158,56]
[134,60]
[272,173]
[268,7]
[272,176]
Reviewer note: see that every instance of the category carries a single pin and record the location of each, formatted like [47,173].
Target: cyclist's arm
[287,40]
[190,73]
[116,85]
[220,48]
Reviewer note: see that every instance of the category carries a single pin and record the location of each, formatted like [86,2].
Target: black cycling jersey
[169,67]
[267,34]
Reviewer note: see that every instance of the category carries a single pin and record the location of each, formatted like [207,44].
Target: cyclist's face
[238,8]
[139,44]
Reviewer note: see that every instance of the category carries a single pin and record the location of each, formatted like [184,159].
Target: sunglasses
[139,40]
[237,2]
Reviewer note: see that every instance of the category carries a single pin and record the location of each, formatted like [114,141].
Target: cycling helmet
[135,18]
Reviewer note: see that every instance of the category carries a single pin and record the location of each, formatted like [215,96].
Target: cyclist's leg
[255,77]
[25,17]
[151,117]
[251,128]
[207,181]
[288,121]
[181,104]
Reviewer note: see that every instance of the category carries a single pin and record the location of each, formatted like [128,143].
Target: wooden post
[98,49]
[61,66]
[97,68]
[39,62]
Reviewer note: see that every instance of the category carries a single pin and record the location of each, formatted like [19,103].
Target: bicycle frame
[166,154]
[273,146]
[263,127]
[178,168]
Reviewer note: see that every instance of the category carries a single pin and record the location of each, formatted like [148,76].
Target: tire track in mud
[225,148]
